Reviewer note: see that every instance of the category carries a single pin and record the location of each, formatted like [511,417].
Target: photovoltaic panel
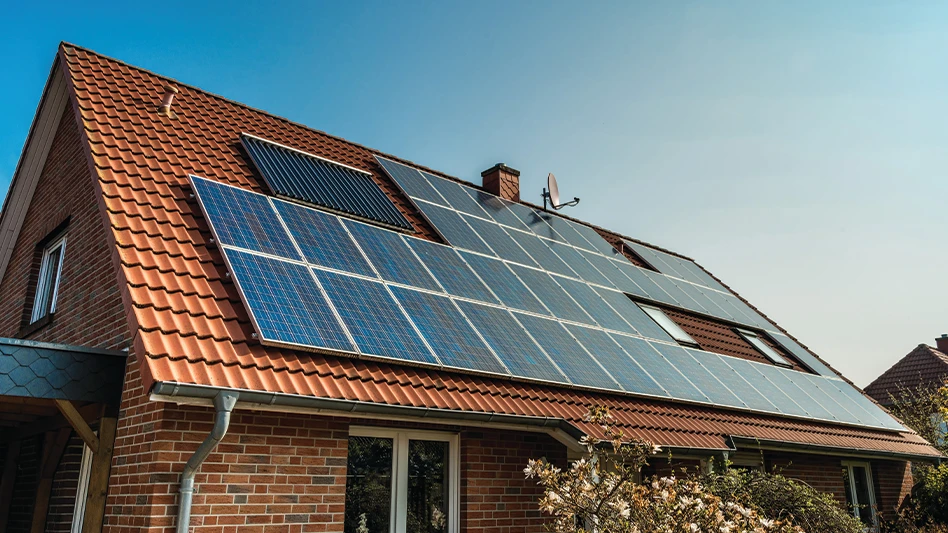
[598,243]
[456,195]
[698,374]
[659,368]
[447,331]
[779,378]
[803,356]
[624,283]
[733,380]
[453,228]
[243,219]
[536,221]
[572,359]
[411,181]
[578,264]
[618,363]
[832,397]
[668,286]
[884,418]
[508,287]
[306,177]
[633,314]
[374,319]
[565,229]
[609,269]
[705,303]
[754,316]
[285,302]
[453,273]
[594,305]
[391,256]
[541,253]
[499,209]
[655,258]
[495,237]
[723,301]
[551,294]
[652,290]
[781,400]
[522,356]
[699,276]
[323,239]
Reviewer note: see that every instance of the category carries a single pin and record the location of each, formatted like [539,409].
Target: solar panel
[805,357]
[578,264]
[447,331]
[508,287]
[597,242]
[572,359]
[499,209]
[285,302]
[643,280]
[659,368]
[243,219]
[322,239]
[782,380]
[669,287]
[633,314]
[374,319]
[453,228]
[551,294]
[564,228]
[723,302]
[704,304]
[867,405]
[456,195]
[541,253]
[448,268]
[698,374]
[618,363]
[391,256]
[511,343]
[656,259]
[782,402]
[303,176]
[624,283]
[411,181]
[495,237]
[811,385]
[536,221]
[733,380]
[699,276]
[609,270]
[594,305]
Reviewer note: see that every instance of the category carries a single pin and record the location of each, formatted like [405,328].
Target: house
[924,366]
[297,348]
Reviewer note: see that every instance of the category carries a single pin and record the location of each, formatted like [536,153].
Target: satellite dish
[554,189]
[551,195]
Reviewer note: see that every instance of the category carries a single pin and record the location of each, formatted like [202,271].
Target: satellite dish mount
[551,195]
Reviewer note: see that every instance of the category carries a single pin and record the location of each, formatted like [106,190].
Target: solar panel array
[295,174]
[314,280]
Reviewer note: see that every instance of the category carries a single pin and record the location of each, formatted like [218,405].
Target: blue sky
[794,149]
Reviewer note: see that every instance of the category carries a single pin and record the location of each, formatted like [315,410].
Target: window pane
[668,325]
[427,486]
[52,278]
[369,485]
[861,488]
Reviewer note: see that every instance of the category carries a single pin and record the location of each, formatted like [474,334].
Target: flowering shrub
[599,492]
[780,497]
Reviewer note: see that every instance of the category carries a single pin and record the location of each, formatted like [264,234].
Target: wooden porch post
[99,477]
[54,444]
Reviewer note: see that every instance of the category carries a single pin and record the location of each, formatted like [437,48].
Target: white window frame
[82,490]
[43,303]
[669,325]
[855,504]
[754,340]
[400,438]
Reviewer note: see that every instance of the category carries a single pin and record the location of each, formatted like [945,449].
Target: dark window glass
[427,487]
[369,485]
[858,493]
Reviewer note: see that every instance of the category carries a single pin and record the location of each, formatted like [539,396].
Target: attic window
[764,348]
[669,325]
[47,285]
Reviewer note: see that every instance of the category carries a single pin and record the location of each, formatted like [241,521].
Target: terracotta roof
[192,327]
[923,366]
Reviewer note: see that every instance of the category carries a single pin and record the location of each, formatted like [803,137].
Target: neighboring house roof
[192,327]
[923,366]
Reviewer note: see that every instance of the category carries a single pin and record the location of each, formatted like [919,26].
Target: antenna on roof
[551,195]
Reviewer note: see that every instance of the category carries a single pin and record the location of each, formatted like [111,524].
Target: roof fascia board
[32,161]
[754,444]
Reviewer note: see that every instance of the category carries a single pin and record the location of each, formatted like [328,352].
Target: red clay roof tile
[923,366]
[192,326]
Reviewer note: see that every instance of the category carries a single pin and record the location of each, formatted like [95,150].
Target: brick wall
[495,496]
[893,481]
[89,306]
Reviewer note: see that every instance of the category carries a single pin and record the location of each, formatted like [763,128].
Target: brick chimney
[502,181]
[942,343]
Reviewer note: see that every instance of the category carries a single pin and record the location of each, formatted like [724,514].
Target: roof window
[669,325]
[764,348]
